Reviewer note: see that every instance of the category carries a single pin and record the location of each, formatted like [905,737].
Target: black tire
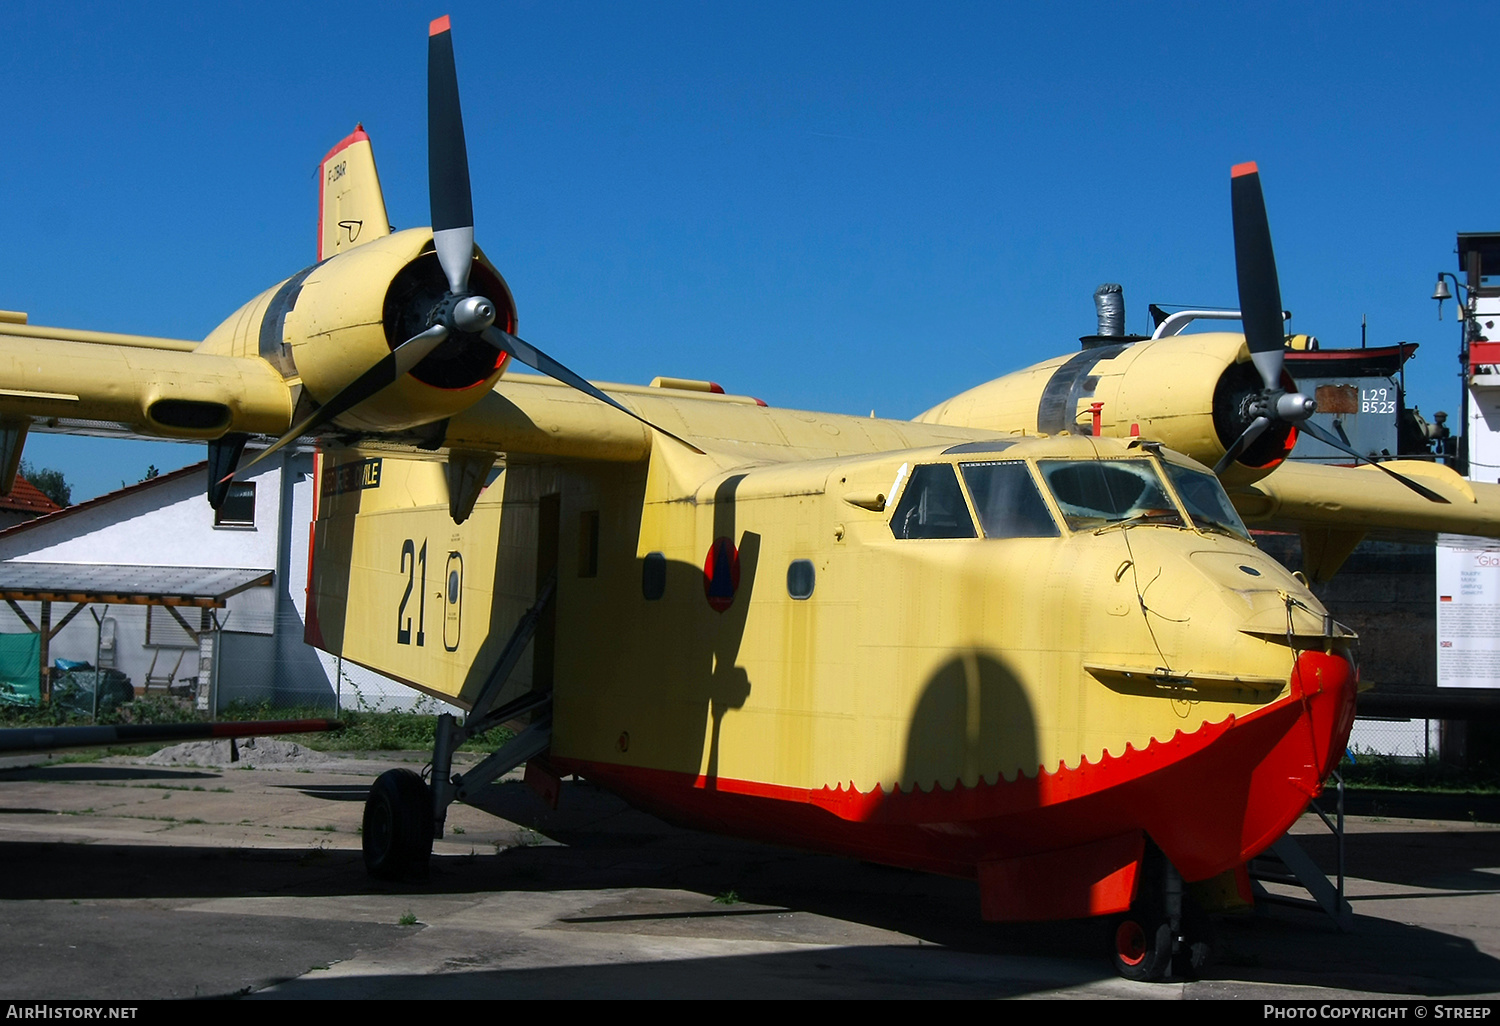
[397,834]
[1144,943]
[1199,946]
[1143,948]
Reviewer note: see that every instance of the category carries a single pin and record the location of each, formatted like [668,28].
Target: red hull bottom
[1211,800]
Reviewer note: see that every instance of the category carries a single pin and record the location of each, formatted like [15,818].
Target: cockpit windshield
[1206,502]
[1100,493]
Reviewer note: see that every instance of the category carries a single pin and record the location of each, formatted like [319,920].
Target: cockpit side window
[1007,501]
[932,506]
[1206,502]
[1096,493]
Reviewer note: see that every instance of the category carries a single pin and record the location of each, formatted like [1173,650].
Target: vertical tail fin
[351,207]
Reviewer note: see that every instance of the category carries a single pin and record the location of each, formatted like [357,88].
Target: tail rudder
[351,207]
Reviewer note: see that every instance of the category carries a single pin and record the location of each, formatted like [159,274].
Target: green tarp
[20,677]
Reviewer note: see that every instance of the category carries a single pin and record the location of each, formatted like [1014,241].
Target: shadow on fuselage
[972,724]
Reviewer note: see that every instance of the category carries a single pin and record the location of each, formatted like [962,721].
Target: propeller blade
[1255,267]
[1329,438]
[1240,444]
[384,372]
[537,360]
[448,161]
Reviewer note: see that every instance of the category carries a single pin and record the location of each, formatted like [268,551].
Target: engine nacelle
[333,321]
[1190,392]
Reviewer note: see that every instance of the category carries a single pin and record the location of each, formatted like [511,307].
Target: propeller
[448,191]
[1260,311]
[452,205]
[1329,438]
[1265,334]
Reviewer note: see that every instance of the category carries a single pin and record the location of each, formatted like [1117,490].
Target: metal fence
[1409,739]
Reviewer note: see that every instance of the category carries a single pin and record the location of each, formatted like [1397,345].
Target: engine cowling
[331,322]
[1190,392]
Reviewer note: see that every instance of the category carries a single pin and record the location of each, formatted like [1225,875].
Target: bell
[1441,293]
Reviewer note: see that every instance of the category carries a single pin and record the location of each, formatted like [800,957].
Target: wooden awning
[204,587]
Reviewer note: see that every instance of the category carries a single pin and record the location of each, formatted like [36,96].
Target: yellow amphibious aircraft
[1025,638]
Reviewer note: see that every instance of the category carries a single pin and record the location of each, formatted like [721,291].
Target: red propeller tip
[438,26]
[1247,168]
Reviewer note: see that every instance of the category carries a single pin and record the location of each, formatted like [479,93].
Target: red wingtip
[1247,168]
[439,25]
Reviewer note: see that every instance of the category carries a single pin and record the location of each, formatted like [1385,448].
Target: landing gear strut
[1163,936]
[403,814]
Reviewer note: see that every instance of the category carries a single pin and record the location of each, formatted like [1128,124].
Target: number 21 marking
[409,559]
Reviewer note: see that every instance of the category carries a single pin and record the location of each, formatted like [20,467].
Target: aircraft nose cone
[1327,683]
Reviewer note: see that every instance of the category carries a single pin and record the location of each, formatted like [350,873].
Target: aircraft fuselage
[846,654]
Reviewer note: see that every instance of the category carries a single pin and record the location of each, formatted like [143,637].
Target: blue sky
[836,206]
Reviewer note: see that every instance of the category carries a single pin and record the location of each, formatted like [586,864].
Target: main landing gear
[1163,936]
[404,814]
[397,831]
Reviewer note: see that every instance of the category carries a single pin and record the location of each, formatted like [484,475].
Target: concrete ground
[129,879]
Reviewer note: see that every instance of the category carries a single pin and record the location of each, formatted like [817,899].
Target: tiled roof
[26,497]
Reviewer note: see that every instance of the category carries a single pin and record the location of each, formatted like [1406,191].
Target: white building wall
[162,523]
[1484,401]
[1484,428]
[168,522]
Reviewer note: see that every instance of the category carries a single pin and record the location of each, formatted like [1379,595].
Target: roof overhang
[204,587]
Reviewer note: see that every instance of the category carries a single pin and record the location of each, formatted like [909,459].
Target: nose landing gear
[1163,936]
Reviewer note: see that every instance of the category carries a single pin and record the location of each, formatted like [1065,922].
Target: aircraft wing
[134,386]
[1298,496]
[22,740]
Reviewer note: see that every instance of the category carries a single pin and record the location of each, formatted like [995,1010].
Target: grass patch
[364,730]
[393,732]
[408,919]
[1394,773]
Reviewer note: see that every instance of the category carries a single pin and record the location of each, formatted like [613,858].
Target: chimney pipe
[1109,301]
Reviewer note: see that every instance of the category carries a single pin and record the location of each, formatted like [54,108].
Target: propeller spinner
[1265,336]
[460,311]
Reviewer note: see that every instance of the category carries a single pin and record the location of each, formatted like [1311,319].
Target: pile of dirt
[248,751]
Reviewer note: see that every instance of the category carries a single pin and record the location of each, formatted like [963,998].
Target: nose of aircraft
[1219,607]
[1326,683]
[1266,664]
